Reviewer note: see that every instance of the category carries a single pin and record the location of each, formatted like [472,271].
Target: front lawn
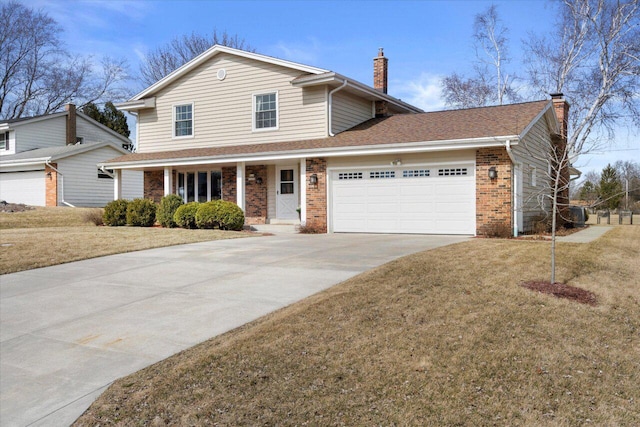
[48,236]
[444,337]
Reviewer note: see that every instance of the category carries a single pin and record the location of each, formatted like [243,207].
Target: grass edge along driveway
[443,337]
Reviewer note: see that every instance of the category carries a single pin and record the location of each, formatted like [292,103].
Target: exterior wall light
[493,173]
[259,181]
[49,175]
[313,179]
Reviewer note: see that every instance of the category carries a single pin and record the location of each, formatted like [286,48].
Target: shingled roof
[449,125]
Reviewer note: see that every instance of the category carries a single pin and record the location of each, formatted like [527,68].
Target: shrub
[167,209]
[185,215]
[115,213]
[141,213]
[93,216]
[311,229]
[230,216]
[207,215]
[220,213]
[499,230]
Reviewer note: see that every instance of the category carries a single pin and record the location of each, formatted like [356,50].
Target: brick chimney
[380,72]
[561,107]
[71,124]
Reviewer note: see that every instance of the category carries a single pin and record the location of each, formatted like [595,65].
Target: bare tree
[594,59]
[490,84]
[39,76]
[162,60]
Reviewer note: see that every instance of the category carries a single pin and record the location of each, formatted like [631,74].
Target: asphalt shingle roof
[496,121]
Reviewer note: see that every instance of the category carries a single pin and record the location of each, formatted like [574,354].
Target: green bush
[230,216]
[221,214]
[167,209]
[141,213]
[115,213]
[207,215]
[185,215]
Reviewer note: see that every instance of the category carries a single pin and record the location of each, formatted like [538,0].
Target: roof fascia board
[533,122]
[210,53]
[23,162]
[399,148]
[138,104]
[35,119]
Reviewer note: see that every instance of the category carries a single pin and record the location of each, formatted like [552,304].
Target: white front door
[287,192]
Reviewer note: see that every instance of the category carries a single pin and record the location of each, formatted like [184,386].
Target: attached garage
[23,187]
[427,199]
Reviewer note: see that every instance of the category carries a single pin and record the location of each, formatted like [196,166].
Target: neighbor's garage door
[429,200]
[23,187]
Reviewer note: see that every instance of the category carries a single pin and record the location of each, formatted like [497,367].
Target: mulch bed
[13,207]
[560,290]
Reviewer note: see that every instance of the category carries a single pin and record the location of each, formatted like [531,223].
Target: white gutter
[396,148]
[61,184]
[507,145]
[330,101]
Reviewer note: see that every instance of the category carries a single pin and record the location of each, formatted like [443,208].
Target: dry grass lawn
[50,236]
[445,337]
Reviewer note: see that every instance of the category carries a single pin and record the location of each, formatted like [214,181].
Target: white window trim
[173,120]
[253,111]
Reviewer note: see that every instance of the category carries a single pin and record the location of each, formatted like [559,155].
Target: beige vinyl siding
[222,109]
[82,187]
[90,132]
[41,134]
[537,140]
[349,110]
[407,159]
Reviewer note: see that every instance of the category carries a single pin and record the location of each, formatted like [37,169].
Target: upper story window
[4,140]
[265,111]
[183,120]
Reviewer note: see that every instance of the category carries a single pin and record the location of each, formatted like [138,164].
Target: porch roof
[449,129]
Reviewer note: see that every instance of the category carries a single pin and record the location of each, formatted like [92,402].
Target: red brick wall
[317,194]
[229,192]
[493,197]
[51,187]
[154,185]
[255,195]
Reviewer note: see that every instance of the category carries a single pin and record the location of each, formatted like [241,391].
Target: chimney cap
[380,51]
[558,95]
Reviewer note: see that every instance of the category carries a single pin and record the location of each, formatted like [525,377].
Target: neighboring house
[52,160]
[278,137]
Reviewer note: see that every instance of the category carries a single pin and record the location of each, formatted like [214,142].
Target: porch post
[117,184]
[303,190]
[168,180]
[240,185]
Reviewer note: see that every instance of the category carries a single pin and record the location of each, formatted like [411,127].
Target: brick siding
[317,194]
[51,196]
[154,185]
[255,195]
[229,192]
[493,197]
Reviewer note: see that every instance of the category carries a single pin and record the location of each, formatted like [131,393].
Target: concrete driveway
[67,332]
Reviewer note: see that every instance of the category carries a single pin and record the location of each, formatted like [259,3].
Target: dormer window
[183,121]
[265,111]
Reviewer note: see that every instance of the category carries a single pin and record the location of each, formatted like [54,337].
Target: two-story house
[293,143]
[52,160]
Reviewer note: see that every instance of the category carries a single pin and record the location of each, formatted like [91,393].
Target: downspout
[61,184]
[331,106]
[516,226]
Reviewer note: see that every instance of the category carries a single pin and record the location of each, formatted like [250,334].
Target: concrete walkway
[67,332]
[587,235]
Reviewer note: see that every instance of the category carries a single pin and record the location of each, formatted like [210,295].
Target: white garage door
[23,187]
[428,200]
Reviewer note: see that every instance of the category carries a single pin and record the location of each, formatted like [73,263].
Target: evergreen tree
[111,117]
[610,188]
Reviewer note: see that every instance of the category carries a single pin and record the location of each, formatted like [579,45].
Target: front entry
[287,192]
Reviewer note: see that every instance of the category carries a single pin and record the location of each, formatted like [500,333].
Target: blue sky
[423,40]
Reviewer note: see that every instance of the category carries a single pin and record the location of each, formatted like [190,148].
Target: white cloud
[424,92]
[306,53]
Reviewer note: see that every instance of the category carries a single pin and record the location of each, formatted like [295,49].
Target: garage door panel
[397,202]
[23,187]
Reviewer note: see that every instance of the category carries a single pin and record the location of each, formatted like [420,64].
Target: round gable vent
[222,73]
